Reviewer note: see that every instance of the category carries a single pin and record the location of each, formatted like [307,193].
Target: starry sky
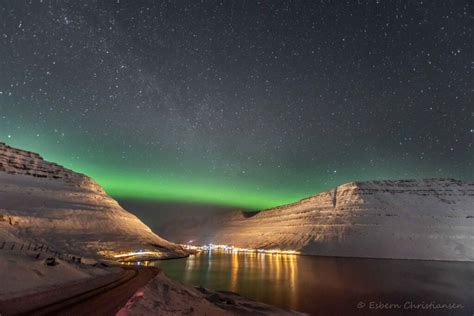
[246,104]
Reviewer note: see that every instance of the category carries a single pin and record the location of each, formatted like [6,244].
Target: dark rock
[51,261]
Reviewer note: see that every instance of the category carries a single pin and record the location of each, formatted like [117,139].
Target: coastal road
[106,299]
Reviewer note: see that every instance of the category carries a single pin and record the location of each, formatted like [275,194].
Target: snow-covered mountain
[69,211]
[418,219]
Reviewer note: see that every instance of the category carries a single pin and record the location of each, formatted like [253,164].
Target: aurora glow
[250,106]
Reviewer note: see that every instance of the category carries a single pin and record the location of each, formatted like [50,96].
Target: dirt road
[106,299]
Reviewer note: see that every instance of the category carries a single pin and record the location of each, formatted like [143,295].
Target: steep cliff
[46,202]
[418,219]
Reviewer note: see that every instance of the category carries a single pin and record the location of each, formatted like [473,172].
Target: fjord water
[331,285]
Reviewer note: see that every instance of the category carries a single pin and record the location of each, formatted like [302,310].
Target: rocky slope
[69,211]
[165,297]
[417,219]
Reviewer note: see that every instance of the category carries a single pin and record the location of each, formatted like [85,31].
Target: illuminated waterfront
[324,285]
[231,249]
[147,255]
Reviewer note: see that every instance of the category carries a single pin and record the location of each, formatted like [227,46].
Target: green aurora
[246,106]
[170,184]
[162,186]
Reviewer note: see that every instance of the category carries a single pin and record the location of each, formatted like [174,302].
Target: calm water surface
[334,286]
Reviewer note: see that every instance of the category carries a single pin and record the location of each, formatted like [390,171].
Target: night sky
[240,103]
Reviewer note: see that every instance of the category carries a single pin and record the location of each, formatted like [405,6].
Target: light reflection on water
[239,272]
[324,285]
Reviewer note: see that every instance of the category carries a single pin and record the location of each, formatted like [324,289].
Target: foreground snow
[23,274]
[407,219]
[165,297]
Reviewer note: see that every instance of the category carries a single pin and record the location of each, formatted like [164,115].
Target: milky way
[249,104]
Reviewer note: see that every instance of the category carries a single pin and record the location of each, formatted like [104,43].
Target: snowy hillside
[422,219]
[68,211]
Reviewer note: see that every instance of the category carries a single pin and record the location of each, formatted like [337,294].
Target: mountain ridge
[68,210]
[418,219]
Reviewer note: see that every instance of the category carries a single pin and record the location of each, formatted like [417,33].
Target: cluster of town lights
[138,253]
[230,248]
[210,247]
